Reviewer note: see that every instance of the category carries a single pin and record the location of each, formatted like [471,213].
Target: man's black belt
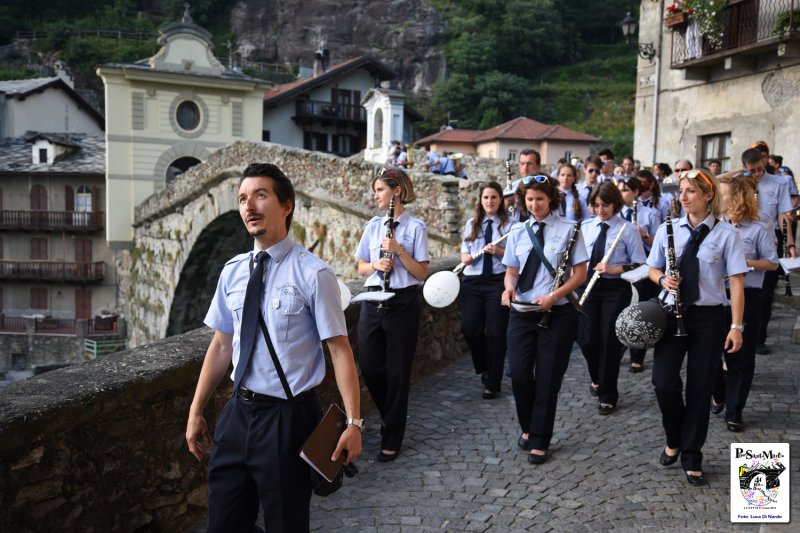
[251,396]
[412,288]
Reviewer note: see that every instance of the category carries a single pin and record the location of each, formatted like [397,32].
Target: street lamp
[647,50]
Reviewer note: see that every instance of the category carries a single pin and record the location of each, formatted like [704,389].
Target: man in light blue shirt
[255,456]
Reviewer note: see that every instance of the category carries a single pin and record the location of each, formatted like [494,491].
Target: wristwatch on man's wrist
[357,422]
[738,327]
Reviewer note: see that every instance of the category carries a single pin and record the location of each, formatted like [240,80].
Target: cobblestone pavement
[461,470]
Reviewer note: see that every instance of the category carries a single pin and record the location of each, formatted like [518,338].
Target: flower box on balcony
[677,21]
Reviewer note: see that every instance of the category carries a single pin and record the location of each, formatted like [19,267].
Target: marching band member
[483,320]
[705,251]
[538,357]
[387,334]
[573,201]
[610,294]
[651,195]
[741,209]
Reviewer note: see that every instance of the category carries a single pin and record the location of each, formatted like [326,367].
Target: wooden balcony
[96,327]
[327,112]
[51,271]
[751,28]
[73,221]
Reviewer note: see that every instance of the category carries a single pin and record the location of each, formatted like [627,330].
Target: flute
[673,271]
[596,274]
[461,266]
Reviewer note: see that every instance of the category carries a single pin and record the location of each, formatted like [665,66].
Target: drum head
[641,325]
[344,294]
[441,289]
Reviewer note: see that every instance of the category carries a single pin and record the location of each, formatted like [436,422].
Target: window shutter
[69,198]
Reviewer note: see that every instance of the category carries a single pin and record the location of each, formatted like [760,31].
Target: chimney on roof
[322,57]
[62,71]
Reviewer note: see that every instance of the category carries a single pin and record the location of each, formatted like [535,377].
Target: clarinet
[508,184]
[673,271]
[561,271]
[387,254]
[784,232]
[635,211]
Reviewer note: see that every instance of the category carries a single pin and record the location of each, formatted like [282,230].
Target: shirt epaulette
[237,258]
[416,220]
[311,261]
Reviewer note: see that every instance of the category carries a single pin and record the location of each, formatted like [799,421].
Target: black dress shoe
[593,389]
[387,457]
[667,460]
[606,408]
[636,369]
[736,427]
[536,459]
[489,395]
[523,443]
[696,481]
[717,408]
[484,378]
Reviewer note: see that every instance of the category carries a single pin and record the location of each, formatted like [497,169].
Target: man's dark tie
[599,247]
[628,214]
[690,267]
[532,263]
[487,258]
[249,332]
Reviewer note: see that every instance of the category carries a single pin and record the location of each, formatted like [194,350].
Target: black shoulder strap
[538,249]
[272,353]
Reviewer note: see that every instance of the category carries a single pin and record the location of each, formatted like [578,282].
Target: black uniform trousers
[770,284]
[603,352]
[387,342]
[646,290]
[484,323]
[686,423]
[742,364]
[538,359]
[256,459]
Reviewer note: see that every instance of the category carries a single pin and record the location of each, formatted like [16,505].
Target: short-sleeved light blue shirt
[570,214]
[629,249]
[721,254]
[773,197]
[301,306]
[557,233]
[410,233]
[475,246]
[758,240]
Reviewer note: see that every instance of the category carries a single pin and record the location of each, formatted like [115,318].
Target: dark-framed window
[188,115]
[716,146]
[39,297]
[39,248]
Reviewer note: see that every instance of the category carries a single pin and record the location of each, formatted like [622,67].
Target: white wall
[51,111]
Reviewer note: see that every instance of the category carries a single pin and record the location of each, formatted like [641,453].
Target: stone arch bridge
[185,233]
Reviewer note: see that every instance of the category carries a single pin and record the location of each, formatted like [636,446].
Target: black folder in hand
[320,445]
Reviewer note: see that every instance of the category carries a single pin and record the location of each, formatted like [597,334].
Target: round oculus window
[188,115]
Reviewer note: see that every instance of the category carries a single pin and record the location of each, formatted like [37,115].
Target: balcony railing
[330,111]
[97,327]
[51,271]
[748,24]
[52,220]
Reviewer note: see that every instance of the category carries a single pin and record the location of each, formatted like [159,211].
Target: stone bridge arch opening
[222,239]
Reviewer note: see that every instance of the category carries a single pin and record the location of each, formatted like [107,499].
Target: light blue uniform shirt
[410,233]
[301,307]
[721,254]
[557,233]
[583,194]
[758,241]
[773,197]
[790,183]
[662,209]
[474,247]
[629,248]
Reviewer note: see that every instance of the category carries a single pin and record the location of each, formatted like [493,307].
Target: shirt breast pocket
[235,304]
[710,254]
[554,250]
[407,242]
[522,250]
[375,251]
[286,311]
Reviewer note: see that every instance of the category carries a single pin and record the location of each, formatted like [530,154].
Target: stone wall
[99,446]
[40,349]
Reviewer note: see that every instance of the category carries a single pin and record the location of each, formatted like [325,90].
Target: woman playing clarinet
[484,321]
[608,294]
[539,342]
[740,207]
[392,257]
[690,259]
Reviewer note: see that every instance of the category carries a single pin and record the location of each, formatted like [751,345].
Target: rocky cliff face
[402,33]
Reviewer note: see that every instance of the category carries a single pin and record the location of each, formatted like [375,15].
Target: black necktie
[532,263]
[487,258]
[628,214]
[647,203]
[690,267]
[599,248]
[249,328]
[564,204]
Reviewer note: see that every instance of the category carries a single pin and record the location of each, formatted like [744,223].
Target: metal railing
[330,110]
[52,220]
[92,348]
[12,324]
[97,327]
[108,34]
[51,271]
[745,23]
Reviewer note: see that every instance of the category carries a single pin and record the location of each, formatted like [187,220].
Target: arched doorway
[179,166]
[220,241]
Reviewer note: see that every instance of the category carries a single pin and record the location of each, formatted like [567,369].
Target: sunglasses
[538,179]
[592,171]
[784,169]
[692,174]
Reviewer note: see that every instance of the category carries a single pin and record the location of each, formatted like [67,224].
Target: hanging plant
[708,14]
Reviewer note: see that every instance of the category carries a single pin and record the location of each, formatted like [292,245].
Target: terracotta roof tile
[520,128]
[456,136]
